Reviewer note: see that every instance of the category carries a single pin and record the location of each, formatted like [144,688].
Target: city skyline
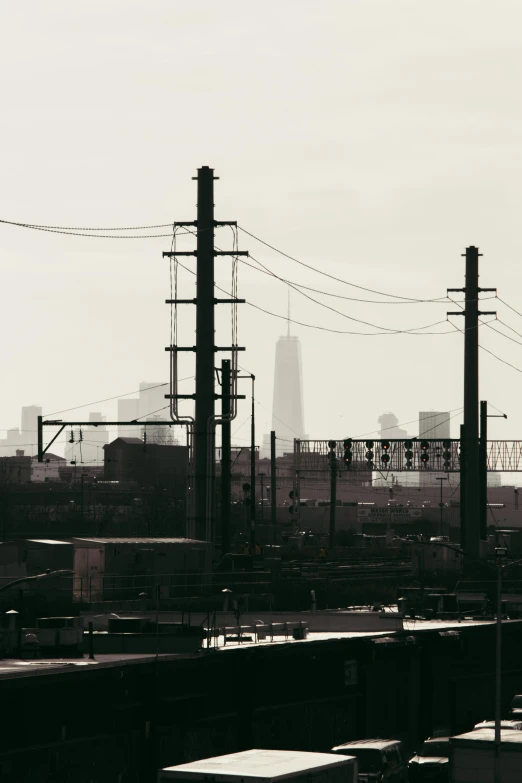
[397,148]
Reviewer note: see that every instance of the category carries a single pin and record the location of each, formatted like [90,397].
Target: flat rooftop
[14,667]
[258,764]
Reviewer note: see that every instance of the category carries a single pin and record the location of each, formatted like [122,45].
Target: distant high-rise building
[389,424]
[152,399]
[152,407]
[287,406]
[26,437]
[434,424]
[128,410]
[30,415]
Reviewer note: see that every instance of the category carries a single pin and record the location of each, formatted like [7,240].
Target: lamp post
[262,476]
[500,554]
[441,504]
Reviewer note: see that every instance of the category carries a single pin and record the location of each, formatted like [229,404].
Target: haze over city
[373,141]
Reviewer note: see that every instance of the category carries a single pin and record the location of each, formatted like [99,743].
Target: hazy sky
[373,140]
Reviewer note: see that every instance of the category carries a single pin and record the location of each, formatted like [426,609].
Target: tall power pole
[205,349]
[273,490]
[470,489]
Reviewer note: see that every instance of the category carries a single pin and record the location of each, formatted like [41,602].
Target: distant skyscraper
[434,424]
[389,424]
[287,406]
[152,399]
[30,415]
[128,410]
[26,438]
[152,407]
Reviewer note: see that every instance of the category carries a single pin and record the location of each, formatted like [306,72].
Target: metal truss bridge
[420,455]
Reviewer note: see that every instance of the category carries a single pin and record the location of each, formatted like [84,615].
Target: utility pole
[205,349]
[441,504]
[333,490]
[484,416]
[253,473]
[204,429]
[225,457]
[483,462]
[470,531]
[273,485]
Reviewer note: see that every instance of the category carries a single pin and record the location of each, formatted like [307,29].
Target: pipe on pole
[225,457]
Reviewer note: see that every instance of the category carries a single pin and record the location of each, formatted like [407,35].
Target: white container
[266,766]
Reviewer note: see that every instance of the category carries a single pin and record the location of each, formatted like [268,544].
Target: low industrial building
[149,464]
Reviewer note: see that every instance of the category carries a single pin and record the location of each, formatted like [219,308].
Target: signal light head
[347,443]
[424,458]
[332,444]
[446,444]
[408,444]
[385,458]
[369,444]
[385,444]
[425,445]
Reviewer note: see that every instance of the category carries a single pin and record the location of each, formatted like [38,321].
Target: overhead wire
[333,277]
[347,298]
[339,312]
[117,396]
[325,328]
[384,329]
[482,348]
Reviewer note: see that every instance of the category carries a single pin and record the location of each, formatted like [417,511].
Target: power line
[109,399]
[265,271]
[508,305]
[332,277]
[421,434]
[84,228]
[487,349]
[325,328]
[344,315]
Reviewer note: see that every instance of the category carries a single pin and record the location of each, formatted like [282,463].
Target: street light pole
[441,479]
[500,553]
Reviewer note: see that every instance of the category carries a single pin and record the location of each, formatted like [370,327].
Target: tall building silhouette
[128,410]
[389,425]
[434,424]
[30,415]
[287,404]
[152,406]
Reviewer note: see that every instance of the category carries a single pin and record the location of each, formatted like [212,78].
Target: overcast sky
[373,140]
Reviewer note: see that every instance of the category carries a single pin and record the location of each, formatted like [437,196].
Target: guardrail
[219,635]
